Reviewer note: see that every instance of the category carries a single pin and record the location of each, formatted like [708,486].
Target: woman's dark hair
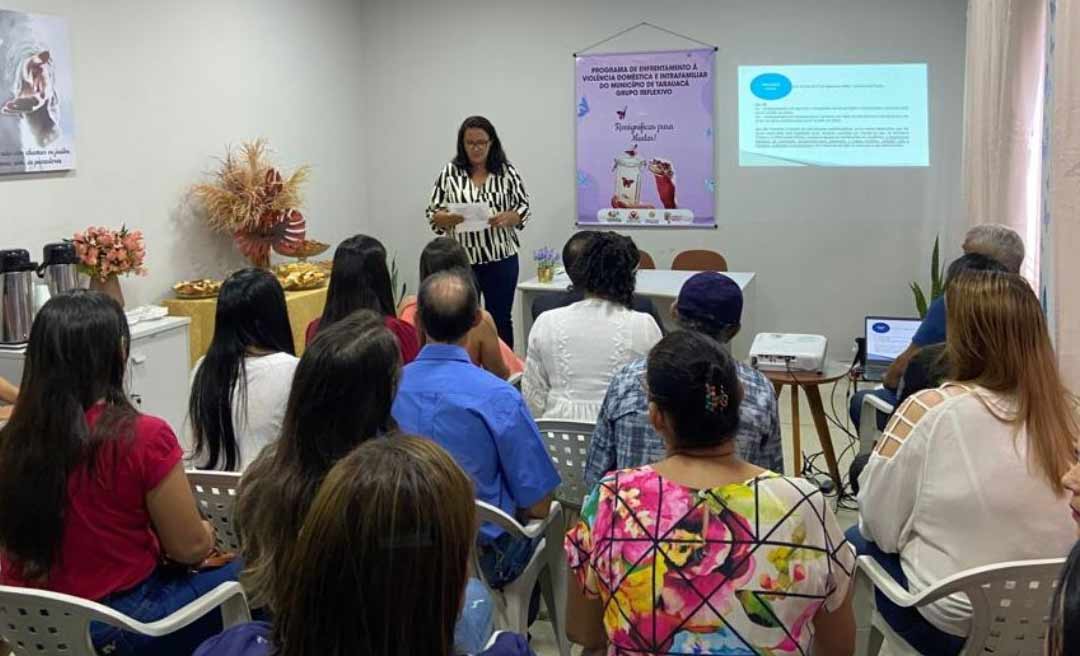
[341,396]
[360,280]
[76,357]
[251,314]
[972,262]
[1065,609]
[386,545]
[607,268]
[496,158]
[694,382]
[442,254]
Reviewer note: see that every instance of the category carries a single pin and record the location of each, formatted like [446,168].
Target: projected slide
[866,115]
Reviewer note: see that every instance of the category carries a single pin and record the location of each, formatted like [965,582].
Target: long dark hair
[1065,608]
[496,158]
[251,313]
[341,396]
[607,268]
[360,280]
[694,382]
[77,357]
[394,520]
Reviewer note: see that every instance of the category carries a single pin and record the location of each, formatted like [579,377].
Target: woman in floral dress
[703,553]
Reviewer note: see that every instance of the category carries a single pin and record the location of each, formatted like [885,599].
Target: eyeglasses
[477,145]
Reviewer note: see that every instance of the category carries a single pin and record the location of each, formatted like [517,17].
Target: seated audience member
[484,346]
[240,388]
[381,566]
[95,500]
[341,396]
[1065,609]
[571,253]
[710,303]
[8,394]
[480,419]
[986,450]
[360,280]
[575,350]
[931,331]
[693,554]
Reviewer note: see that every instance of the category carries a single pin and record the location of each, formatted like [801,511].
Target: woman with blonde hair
[970,473]
[381,564]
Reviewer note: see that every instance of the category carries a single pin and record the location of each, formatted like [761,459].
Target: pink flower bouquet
[104,252]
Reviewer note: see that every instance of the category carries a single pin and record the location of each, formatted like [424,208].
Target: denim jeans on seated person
[167,590]
[907,623]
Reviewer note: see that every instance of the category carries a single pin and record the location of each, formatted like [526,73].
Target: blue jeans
[855,408]
[475,624]
[908,623]
[166,590]
[498,282]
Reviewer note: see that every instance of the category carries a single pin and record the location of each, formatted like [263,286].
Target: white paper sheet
[476,216]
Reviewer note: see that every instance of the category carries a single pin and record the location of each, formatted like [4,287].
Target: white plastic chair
[38,622]
[515,380]
[567,443]
[1010,604]
[868,427]
[215,494]
[546,565]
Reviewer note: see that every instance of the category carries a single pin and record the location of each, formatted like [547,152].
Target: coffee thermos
[59,267]
[17,275]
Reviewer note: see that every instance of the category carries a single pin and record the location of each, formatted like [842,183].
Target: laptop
[886,338]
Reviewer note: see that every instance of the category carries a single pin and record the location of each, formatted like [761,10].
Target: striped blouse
[503,193]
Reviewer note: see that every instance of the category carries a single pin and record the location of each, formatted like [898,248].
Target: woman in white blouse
[239,390]
[575,350]
[970,473]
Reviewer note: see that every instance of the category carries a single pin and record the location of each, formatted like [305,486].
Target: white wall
[162,86]
[829,245]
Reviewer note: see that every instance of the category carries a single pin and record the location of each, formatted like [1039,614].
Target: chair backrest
[39,622]
[567,443]
[699,260]
[645,260]
[868,421]
[215,494]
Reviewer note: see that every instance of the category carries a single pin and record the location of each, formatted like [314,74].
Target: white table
[660,285]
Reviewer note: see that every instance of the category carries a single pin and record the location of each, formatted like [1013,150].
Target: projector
[788,352]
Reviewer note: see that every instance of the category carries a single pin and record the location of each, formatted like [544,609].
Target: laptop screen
[887,337]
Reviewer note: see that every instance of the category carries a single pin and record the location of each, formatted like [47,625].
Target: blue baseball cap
[712,298]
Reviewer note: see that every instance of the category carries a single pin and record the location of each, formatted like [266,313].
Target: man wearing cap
[709,303]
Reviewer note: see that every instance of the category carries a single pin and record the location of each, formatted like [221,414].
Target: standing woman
[480,173]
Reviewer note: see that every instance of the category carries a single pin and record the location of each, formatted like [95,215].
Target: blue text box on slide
[836,115]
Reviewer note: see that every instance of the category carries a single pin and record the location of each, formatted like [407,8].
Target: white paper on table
[476,216]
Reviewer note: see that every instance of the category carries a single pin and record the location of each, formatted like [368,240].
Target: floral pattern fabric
[737,569]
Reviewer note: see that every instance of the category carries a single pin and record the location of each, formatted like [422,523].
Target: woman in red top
[95,500]
[360,280]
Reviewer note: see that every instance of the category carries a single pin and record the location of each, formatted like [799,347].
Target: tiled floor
[543,638]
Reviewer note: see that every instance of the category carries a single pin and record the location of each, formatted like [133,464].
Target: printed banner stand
[644,137]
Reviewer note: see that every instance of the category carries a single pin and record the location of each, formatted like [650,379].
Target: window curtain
[1060,289]
[1003,118]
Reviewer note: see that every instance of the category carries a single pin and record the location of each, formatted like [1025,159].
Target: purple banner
[645,138]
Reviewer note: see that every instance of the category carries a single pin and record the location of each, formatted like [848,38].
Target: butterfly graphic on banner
[583,107]
[621,113]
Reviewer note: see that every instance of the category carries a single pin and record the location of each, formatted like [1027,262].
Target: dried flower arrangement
[252,201]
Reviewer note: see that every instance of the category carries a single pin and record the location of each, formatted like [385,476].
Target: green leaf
[920,299]
[757,609]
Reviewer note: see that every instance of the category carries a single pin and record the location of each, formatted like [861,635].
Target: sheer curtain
[1003,117]
[1061,220]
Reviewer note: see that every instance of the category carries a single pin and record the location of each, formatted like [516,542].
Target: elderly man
[709,303]
[998,243]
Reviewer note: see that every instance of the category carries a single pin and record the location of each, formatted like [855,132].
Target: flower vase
[110,287]
[545,274]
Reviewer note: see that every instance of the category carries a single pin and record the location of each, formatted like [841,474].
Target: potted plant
[546,259]
[104,254]
[937,284]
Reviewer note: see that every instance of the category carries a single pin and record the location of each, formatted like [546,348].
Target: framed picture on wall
[37,128]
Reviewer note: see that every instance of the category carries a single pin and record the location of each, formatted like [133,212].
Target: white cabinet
[157,379]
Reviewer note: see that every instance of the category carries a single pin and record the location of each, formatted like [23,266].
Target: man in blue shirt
[480,419]
[710,303]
